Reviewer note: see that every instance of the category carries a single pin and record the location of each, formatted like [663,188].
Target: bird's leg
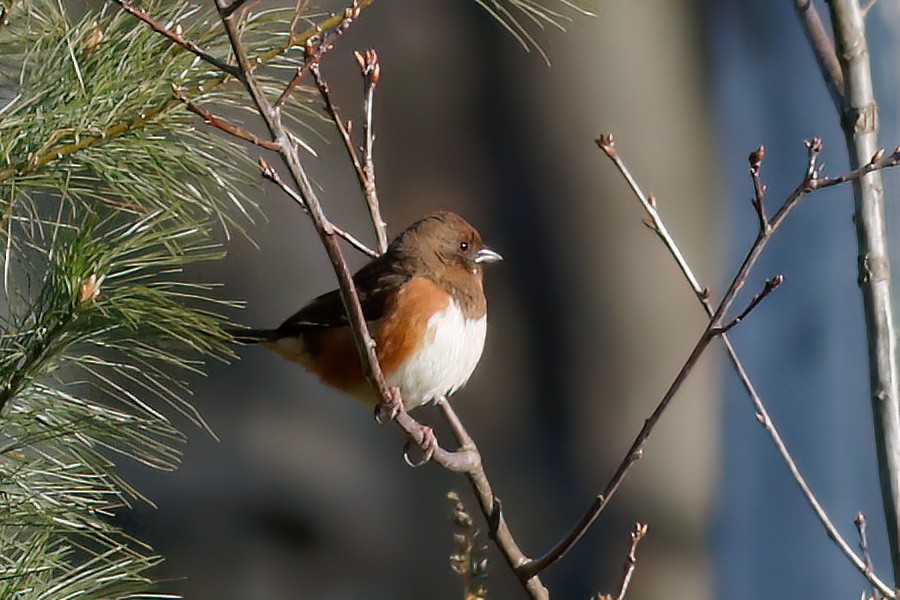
[462,436]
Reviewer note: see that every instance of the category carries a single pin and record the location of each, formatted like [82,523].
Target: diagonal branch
[636,451]
[177,38]
[768,288]
[223,125]
[823,48]
[272,175]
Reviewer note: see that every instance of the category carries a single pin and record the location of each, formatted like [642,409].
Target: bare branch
[491,508]
[343,127]
[177,38]
[365,167]
[768,288]
[223,125]
[606,143]
[878,162]
[823,48]
[636,451]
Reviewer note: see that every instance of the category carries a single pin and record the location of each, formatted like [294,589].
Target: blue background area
[809,361]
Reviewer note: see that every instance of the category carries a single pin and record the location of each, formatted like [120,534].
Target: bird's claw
[428,445]
[387,410]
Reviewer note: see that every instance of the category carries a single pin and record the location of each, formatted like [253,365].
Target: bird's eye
[463,246]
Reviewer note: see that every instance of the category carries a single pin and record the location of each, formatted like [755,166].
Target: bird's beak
[486,255]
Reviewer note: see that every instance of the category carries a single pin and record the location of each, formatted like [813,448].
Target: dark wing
[375,283]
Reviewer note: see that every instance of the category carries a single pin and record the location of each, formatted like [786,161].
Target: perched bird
[424,303]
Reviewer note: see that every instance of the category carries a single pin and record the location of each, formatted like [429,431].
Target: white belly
[452,347]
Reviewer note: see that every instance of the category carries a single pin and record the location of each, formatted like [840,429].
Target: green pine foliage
[109,189]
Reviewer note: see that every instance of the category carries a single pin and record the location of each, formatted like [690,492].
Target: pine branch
[53,143]
[109,192]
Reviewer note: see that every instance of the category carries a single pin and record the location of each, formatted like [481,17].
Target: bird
[424,303]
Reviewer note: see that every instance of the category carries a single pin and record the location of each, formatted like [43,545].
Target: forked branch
[636,451]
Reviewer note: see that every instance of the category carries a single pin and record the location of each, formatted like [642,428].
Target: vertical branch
[859,119]
[371,71]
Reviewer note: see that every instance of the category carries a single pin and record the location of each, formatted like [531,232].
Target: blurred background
[303,496]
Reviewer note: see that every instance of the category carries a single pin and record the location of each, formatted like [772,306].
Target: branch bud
[607,143]
[877,156]
[814,145]
[756,157]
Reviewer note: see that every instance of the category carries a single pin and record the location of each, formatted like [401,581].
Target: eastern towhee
[424,303]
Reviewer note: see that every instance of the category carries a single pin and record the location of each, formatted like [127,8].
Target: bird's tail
[252,336]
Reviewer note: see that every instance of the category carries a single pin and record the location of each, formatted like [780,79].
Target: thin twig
[878,162]
[768,288]
[313,52]
[177,38]
[365,167]
[295,20]
[640,530]
[607,145]
[759,188]
[370,69]
[860,522]
[223,125]
[272,175]
[343,127]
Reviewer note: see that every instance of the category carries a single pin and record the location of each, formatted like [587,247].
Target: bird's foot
[388,409]
[428,445]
